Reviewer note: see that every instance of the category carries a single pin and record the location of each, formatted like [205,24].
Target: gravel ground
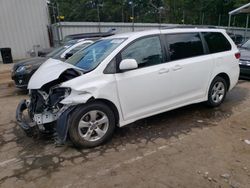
[194,146]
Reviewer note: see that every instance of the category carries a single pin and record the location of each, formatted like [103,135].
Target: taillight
[237,55]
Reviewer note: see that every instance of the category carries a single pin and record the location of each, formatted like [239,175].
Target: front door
[145,90]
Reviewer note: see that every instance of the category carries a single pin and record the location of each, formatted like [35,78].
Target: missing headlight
[58,94]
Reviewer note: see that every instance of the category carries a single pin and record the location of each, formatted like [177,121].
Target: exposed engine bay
[44,107]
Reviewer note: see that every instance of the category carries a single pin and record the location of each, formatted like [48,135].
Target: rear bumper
[234,74]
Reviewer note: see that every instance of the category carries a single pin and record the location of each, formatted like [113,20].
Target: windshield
[90,57]
[246,44]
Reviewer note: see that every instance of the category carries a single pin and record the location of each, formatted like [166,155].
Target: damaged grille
[37,102]
[40,101]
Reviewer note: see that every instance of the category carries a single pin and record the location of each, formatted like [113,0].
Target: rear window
[184,45]
[216,42]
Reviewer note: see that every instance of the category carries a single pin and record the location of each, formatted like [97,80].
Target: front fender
[76,98]
[62,124]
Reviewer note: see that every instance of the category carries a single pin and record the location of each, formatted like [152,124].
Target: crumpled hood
[244,54]
[47,72]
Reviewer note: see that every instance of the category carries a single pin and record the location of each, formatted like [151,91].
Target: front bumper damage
[25,126]
[31,126]
[45,109]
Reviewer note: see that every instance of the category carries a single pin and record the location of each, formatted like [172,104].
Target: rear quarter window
[216,42]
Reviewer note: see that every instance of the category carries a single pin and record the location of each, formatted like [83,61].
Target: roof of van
[167,30]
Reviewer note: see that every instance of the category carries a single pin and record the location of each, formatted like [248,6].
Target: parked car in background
[23,70]
[245,60]
[88,35]
[237,38]
[127,77]
[43,52]
[74,37]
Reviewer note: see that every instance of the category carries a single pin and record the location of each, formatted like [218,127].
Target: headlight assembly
[24,68]
[58,94]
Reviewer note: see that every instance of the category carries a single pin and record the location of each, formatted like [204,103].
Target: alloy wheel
[218,92]
[93,125]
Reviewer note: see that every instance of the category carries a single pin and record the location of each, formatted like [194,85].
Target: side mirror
[68,55]
[128,64]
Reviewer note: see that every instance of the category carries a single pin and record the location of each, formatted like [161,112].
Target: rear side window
[184,45]
[216,42]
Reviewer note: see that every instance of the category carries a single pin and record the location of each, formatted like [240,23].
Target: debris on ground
[225,176]
[247,141]
[200,121]
[234,184]
[206,175]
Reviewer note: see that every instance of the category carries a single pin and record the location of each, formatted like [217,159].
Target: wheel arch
[109,104]
[222,75]
[225,77]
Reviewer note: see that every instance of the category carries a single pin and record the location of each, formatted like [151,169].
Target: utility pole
[122,4]
[98,15]
[98,18]
[133,14]
[219,20]
[247,22]
[183,17]
[159,11]
[202,19]
[59,23]
[122,13]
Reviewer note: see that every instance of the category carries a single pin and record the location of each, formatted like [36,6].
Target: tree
[209,12]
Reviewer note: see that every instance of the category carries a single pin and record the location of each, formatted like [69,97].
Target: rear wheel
[91,124]
[217,92]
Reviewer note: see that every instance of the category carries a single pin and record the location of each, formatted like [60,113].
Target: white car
[127,77]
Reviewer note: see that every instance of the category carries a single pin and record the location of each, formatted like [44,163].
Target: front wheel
[217,92]
[91,125]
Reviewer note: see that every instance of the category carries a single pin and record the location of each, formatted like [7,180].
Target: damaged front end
[43,110]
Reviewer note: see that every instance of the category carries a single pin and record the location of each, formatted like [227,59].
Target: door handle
[163,71]
[177,67]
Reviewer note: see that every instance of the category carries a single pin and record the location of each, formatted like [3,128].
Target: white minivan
[127,77]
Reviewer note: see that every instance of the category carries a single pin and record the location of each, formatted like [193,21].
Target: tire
[217,92]
[91,125]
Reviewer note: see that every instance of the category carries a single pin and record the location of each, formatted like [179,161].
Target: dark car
[245,60]
[89,35]
[238,39]
[23,70]
[43,52]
